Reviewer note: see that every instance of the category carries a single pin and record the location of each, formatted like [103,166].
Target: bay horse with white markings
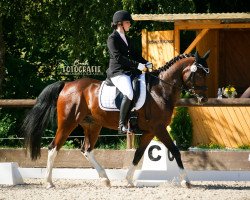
[76,103]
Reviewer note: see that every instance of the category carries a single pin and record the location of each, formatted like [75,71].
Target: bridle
[193,68]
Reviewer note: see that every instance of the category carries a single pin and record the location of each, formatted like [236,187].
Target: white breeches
[123,83]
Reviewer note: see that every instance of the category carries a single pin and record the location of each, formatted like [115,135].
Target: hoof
[130,183]
[186,184]
[50,185]
[106,182]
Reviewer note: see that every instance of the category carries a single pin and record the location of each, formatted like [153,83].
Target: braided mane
[171,62]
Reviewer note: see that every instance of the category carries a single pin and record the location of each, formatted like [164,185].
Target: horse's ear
[197,56]
[206,55]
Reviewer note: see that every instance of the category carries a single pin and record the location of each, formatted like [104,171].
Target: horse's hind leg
[145,140]
[91,132]
[164,137]
[62,134]
[50,162]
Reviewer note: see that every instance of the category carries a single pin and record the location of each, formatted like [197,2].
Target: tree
[3,12]
[38,34]
[219,6]
[2,55]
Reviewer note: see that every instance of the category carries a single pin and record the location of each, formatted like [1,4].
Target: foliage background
[36,35]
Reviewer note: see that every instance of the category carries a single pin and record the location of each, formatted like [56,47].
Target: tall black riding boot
[125,106]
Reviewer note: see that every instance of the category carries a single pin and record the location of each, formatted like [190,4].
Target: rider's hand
[145,69]
[149,65]
[142,67]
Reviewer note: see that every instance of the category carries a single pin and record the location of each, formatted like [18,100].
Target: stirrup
[122,130]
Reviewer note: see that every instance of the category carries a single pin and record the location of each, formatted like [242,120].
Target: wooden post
[176,41]
[17,102]
[130,140]
[144,40]
[196,40]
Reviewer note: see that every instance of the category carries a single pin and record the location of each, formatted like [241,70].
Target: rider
[123,62]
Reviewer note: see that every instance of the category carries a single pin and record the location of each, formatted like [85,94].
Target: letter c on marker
[150,153]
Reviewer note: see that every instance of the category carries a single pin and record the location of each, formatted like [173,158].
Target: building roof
[226,17]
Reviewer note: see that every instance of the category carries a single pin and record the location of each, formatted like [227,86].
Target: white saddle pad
[107,95]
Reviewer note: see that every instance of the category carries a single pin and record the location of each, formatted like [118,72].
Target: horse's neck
[173,76]
[175,71]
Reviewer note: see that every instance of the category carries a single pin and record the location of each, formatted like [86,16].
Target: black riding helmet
[120,16]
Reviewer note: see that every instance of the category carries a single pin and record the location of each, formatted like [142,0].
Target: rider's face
[126,25]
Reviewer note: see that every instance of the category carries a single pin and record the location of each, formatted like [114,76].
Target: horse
[76,103]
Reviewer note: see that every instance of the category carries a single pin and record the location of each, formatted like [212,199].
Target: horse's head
[194,77]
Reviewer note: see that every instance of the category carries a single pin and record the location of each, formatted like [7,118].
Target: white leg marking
[184,179]
[101,171]
[130,175]
[51,157]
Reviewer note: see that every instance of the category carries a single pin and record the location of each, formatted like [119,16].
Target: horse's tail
[38,118]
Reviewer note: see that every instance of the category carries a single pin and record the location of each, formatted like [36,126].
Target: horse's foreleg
[130,175]
[185,182]
[145,140]
[101,171]
[164,137]
[48,176]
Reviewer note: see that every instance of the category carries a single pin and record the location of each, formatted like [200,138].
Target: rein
[191,77]
[167,83]
[191,91]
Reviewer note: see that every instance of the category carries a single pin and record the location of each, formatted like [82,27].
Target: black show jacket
[123,59]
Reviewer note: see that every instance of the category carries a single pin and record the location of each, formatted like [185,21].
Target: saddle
[110,97]
[119,96]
